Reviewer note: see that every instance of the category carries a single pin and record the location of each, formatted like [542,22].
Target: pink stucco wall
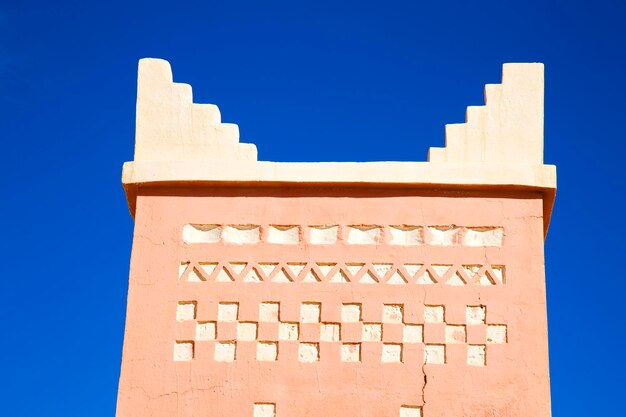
[513,381]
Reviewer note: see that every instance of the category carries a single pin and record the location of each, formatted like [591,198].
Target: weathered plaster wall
[441,326]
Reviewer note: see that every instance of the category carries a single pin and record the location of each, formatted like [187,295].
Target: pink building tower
[266,289]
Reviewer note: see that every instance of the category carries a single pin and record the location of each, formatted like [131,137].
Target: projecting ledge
[407,173]
[422,175]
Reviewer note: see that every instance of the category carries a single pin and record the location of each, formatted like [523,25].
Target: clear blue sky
[305,81]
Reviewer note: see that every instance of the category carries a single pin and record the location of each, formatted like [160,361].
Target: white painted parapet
[170,127]
[508,129]
[499,147]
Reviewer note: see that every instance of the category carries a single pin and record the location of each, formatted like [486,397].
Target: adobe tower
[365,289]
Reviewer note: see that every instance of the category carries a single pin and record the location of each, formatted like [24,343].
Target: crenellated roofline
[499,147]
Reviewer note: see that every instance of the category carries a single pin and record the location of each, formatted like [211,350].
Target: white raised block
[410,411]
[186,310]
[351,352]
[284,235]
[310,312]
[392,313]
[183,351]
[406,235]
[475,314]
[496,333]
[434,354]
[323,235]
[246,331]
[268,311]
[372,332]
[434,314]
[351,313]
[308,352]
[329,332]
[266,351]
[205,330]
[364,235]
[476,355]
[288,331]
[227,311]
[201,233]
[392,352]
[484,236]
[264,410]
[225,351]
[443,236]
[242,234]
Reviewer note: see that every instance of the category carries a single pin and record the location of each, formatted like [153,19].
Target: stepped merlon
[507,129]
[171,127]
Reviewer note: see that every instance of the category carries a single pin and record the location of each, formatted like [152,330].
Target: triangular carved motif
[340,277]
[237,267]
[425,278]
[224,276]
[381,270]
[326,270]
[205,271]
[471,270]
[195,276]
[485,279]
[440,270]
[455,280]
[281,277]
[397,279]
[296,268]
[412,269]
[498,273]
[311,276]
[267,269]
[368,278]
[252,276]
[354,269]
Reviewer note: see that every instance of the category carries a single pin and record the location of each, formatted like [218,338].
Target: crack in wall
[424,368]
[424,386]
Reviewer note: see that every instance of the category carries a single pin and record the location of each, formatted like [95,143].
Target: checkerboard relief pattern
[388,339]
